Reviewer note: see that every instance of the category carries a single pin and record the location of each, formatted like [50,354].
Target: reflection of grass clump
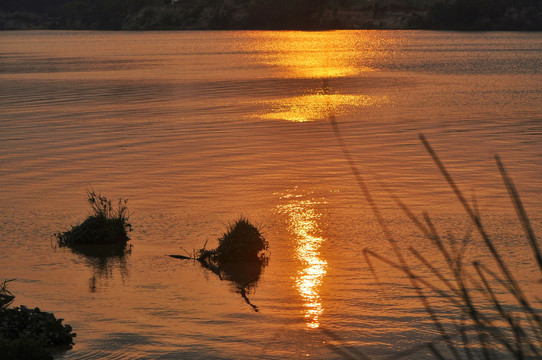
[241,242]
[106,225]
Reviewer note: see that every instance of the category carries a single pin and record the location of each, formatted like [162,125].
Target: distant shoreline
[12,22]
[456,15]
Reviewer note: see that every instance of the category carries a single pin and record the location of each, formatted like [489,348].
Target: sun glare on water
[323,56]
[316,55]
[303,225]
[317,105]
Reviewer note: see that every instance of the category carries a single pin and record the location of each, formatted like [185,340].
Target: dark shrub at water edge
[44,327]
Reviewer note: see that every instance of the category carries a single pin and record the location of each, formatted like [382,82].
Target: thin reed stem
[437,240]
[487,240]
[434,270]
[520,210]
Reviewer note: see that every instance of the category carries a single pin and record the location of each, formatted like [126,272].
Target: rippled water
[198,128]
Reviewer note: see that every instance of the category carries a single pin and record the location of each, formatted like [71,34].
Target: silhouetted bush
[26,334]
[106,225]
[43,327]
[242,241]
[240,257]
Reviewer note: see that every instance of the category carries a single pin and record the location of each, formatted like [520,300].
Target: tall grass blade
[365,191]
[436,321]
[465,340]
[435,352]
[434,270]
[361,182]
[475,219]
[518,293]
[437,240]
[520,210]
[413,276]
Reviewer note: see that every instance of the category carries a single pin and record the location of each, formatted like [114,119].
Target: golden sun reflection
[328,56]
[303,225]
[318,105]
[319,55]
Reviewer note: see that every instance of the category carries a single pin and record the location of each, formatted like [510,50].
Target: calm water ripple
[197,128]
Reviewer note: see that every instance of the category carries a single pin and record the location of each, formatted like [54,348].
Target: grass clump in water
[105,225]
[241,242]
[240,257]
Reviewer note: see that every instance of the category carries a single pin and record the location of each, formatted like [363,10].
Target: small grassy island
[240,257]
[241,242]
[105,225]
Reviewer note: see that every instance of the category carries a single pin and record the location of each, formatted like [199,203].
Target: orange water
[198,128]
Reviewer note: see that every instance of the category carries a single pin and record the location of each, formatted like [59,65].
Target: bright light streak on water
[317,105]
[303,221]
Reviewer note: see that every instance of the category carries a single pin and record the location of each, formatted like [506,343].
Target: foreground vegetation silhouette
[497,317]
[6,297]
[29,334]
[240,257]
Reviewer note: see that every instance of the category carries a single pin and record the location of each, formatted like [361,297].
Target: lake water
[198,128]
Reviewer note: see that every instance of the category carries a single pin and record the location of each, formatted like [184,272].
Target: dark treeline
[271,14]
[84,14]
[278,14]
[485,15]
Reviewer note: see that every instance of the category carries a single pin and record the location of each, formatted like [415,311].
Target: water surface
[198,128]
